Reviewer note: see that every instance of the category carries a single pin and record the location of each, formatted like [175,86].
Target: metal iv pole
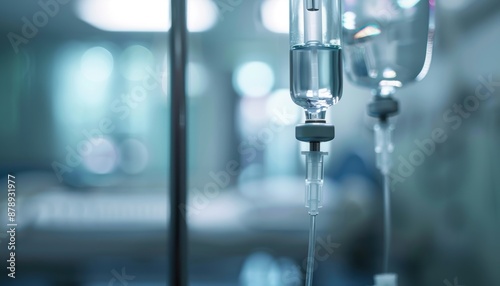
[178,274]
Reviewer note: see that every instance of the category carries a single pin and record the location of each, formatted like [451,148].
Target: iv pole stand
[177,250]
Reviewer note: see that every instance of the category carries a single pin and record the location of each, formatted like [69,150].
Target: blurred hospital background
[84,112]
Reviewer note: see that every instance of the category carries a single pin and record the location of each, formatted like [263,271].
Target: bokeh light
[275,16]
[349,20]
[202,15]
[134,62]
[144,15]
[406,4]
[126,15]
[253,79]
[97,64]
[280,101]
[99,157]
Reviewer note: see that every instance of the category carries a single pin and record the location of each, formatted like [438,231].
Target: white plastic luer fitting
[314,180]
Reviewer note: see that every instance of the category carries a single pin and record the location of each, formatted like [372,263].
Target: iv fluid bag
[387,43]
[315,55]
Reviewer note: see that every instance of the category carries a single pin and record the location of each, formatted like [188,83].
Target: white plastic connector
[386,279]
[314,180]
[383,146]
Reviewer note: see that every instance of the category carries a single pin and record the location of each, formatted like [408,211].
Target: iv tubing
[384,149]
[314,184]
[311,251]
[387,222]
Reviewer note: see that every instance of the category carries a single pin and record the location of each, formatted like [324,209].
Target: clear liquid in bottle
[316,77]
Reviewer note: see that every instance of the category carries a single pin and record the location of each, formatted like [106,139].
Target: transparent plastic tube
[311,251]
[313,198]
[383,146]
[314,180]
[384,149]
[387,223]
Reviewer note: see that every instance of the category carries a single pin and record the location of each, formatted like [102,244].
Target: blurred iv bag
[387,43]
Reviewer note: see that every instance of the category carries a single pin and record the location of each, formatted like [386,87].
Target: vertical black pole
[178,168]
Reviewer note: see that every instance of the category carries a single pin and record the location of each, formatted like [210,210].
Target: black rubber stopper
[315,132]
[383,107]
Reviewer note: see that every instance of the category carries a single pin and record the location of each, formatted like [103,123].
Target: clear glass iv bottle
[387,44]
[315,55]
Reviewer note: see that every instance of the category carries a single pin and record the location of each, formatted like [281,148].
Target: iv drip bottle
[315,55]
[386,51]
